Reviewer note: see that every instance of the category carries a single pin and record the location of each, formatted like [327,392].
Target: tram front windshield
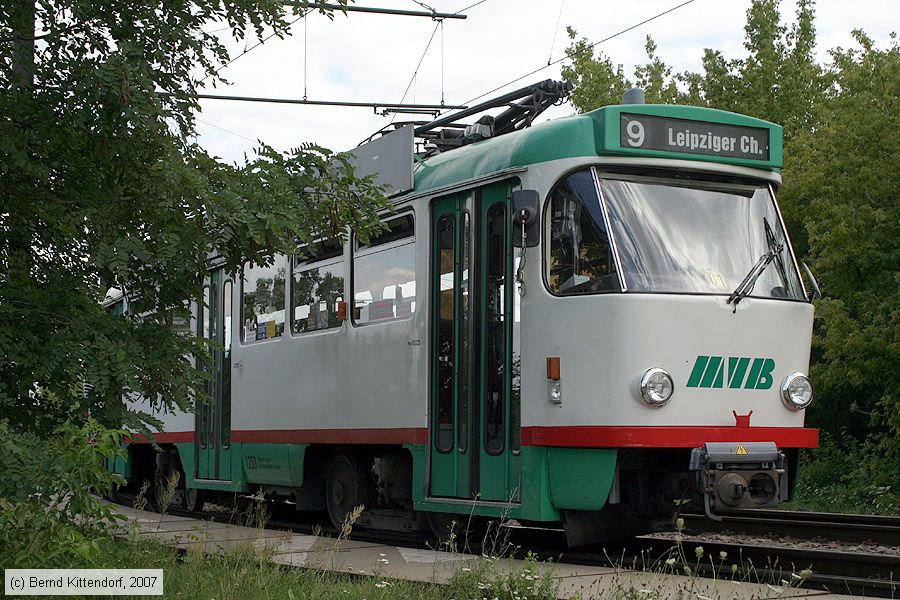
[697,237]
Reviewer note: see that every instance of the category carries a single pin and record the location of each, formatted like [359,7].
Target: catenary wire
[425,6]
[462,10]
[226,130]
[555,31]
[255,46]
[424,52]
[559,60]
[419,64]
[305,36]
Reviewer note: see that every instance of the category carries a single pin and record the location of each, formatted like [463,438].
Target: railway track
[835,570]
[800,525]
[838,571]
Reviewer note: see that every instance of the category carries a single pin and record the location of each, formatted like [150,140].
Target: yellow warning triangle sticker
[741,451]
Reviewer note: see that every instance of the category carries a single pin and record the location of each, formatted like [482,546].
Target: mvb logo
[737,372]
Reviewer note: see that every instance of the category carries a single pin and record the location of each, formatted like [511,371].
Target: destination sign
[650,132]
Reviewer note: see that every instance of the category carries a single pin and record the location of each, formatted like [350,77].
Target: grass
[243,574]
[246,572]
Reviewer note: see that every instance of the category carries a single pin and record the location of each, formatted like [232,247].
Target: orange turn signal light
[553,368]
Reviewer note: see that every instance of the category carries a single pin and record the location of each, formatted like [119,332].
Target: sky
[372,58]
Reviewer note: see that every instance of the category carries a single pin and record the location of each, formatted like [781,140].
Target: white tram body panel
[370,376]
[605,346]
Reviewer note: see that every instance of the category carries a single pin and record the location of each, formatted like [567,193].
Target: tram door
[213,417]
[474,416]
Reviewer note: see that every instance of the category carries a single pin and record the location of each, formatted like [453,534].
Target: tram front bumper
[735,475]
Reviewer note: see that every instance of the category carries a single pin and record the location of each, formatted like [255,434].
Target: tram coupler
[735,475]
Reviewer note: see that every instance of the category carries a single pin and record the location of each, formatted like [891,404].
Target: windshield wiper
[773,245]
[746,286]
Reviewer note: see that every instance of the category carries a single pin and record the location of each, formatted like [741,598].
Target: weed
[257,515]
[167,492]
[140,501]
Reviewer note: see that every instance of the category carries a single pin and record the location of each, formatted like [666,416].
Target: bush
[845,475]
[49,513]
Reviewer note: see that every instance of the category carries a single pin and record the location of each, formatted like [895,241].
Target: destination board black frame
[690,136]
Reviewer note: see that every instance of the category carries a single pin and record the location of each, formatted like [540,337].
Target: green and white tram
[579,322]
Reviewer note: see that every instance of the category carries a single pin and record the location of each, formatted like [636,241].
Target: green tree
[597,81]
[101,186]
[850,180]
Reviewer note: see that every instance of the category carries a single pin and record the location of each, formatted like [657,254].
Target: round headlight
[796,391]
[656,387]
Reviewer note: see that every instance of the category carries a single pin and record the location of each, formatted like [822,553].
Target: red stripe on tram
[665,437]
[172,437]
[401,435]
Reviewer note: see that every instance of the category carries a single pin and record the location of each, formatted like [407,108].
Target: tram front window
[698,237]
[579,256]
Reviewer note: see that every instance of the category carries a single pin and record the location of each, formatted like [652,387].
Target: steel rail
[838,571]
[838,527]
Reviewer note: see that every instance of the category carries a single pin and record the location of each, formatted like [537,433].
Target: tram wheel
[449,529]
[342,489]
[161,478]
[181,496]
[193,499]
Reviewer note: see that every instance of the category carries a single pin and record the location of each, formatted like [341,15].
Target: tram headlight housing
[656,387]
[796,391]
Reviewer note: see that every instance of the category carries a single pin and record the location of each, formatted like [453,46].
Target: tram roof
[600,133]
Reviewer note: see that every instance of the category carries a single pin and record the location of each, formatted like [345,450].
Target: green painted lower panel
[119,465]
[535,475]
[580,478]
[187,454]
[269,464]
[535,502]
[419,458]
[297,455]
[551,478]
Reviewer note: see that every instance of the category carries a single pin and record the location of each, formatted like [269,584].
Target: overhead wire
[226,130]
[255,46]
[419,64]
[425,6]
[305,21]
[555,31]
[559,60]
[462,10]
[440,23]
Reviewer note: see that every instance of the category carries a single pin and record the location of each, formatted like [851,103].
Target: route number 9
[635,131]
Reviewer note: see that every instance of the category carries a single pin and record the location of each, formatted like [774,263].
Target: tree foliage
[850,183]
[841,194]
[101,186]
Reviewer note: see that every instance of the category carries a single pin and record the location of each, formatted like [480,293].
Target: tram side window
[579,256]
[317,286]
[384,273]
[262,306]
